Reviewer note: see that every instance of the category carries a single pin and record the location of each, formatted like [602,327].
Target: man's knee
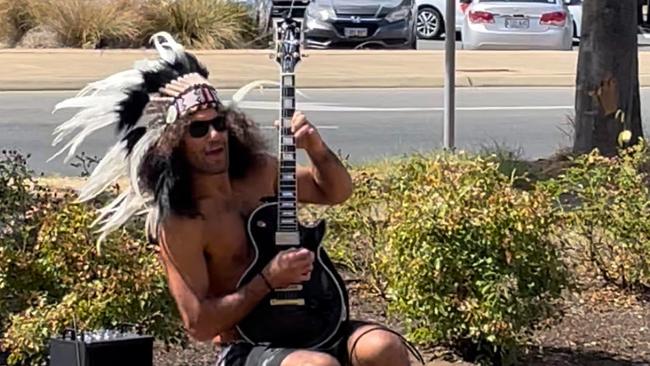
[309,358]
[379,347]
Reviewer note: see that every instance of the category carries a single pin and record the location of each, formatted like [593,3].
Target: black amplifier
[101,348]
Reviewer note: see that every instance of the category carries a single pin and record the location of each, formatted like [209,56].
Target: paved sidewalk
[62,69]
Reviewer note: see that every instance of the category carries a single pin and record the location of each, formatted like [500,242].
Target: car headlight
[399,14]
[316,12]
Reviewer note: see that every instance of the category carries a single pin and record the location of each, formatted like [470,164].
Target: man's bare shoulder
[264,169]
[267,162]
[180,230]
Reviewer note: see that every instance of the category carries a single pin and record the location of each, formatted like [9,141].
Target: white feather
[90,101]
[168,48]
[73,144]
[111,168]
[119,81]
[137,155]
[151,222]
[83,119]
[122,213]
[241,93]
[105,211]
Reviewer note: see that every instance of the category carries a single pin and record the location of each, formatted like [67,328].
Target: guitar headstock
[288,39]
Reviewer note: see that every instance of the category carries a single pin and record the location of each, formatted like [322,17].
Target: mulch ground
[601,326]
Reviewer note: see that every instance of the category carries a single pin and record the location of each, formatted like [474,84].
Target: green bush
[50,272]
[607,215]
[462,255]
[209,24]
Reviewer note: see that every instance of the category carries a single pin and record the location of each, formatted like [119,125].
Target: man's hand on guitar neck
[327,181]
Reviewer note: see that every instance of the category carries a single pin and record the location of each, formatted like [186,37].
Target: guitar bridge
[281,302]
[287,238]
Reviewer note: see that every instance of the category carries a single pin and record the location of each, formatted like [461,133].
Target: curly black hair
[166,173]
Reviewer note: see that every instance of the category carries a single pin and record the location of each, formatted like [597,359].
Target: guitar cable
[409,346]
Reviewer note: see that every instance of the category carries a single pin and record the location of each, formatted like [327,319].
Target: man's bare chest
[227,249]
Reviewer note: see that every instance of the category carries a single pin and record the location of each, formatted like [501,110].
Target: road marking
[322,107]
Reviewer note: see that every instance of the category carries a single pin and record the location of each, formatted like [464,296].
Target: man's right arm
[187,274]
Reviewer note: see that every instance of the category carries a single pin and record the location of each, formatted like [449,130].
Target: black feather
[131,108]
[156,79]
[196,66]
[188,63]
[133,137]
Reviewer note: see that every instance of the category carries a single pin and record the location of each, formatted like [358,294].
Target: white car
[575,7]
[431,17]
[518,24]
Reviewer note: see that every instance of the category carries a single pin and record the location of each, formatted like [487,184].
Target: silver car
[518,24]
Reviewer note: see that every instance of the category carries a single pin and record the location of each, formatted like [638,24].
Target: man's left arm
[327,181]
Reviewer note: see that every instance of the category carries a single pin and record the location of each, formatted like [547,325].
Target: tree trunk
[608,49]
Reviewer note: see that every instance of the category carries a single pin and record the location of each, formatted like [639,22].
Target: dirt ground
[602,326]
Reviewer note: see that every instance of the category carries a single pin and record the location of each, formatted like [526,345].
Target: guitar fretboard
[287,198]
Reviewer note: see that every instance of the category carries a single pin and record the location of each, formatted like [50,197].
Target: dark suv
[354,23]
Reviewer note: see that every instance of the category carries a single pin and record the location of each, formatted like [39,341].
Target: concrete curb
[71,69]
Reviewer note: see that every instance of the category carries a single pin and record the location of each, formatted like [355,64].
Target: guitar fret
[288,214]
[287,156]
[288,221]
[288,177]
[288,79]
[288,103]
[288,204]
[287,194]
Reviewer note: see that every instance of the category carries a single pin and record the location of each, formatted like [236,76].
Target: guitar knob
[261,224]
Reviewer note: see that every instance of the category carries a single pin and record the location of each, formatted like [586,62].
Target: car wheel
[429,24]
[575,30]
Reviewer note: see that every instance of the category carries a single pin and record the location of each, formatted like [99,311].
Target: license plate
[517,23]
[356,32]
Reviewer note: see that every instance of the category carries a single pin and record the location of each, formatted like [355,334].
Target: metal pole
[450,75]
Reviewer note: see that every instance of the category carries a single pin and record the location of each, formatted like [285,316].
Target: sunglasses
[198,129]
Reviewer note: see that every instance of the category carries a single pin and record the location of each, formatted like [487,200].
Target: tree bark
[608,49]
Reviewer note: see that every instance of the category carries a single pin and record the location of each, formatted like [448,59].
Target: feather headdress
[141,103]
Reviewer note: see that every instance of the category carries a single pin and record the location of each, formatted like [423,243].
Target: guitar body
[308,316]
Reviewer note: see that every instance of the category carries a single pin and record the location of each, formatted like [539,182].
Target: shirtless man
[198,169]
[205,257]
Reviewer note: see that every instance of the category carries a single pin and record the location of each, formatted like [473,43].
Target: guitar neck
[287,192]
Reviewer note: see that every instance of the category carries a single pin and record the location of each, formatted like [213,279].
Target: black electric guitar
[309,314]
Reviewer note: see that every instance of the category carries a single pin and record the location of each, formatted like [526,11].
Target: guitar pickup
[284,302]
[287,238]
[289,288]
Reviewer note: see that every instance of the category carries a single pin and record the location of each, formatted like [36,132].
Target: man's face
[205,142]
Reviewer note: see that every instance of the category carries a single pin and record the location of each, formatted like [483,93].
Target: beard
[213,166]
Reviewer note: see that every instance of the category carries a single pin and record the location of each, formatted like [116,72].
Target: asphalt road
[366,124]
